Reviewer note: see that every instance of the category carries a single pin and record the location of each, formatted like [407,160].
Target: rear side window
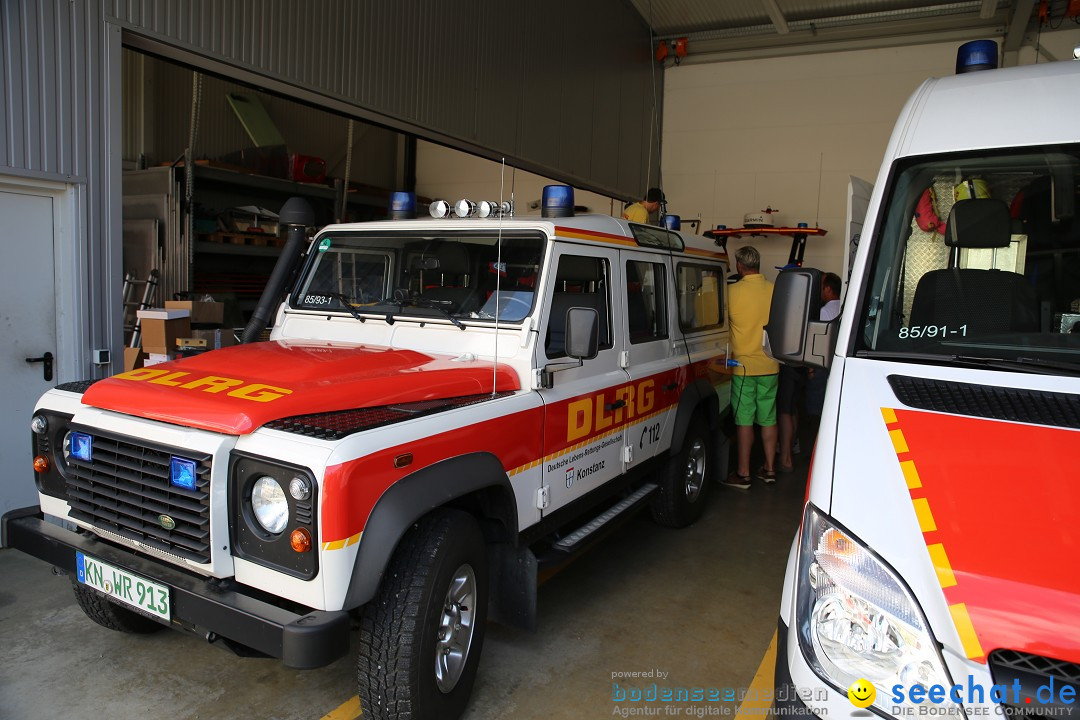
[701,296]
[646,306]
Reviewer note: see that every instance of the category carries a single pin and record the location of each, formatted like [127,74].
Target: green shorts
[753,399]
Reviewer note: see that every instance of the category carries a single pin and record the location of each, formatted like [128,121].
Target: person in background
[789,395]
[754,381]
[817,377]
[639,212]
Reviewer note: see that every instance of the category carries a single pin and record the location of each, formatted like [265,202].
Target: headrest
[978,223]
[575,268]
[448,258]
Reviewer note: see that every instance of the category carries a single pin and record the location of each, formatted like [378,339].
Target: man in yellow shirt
[639,212]
[753,385]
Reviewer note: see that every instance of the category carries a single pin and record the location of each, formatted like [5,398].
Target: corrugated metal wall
[59,121]
[563,87]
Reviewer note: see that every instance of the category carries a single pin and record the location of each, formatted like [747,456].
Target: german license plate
[122,586]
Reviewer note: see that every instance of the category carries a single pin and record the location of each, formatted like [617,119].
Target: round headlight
[269,504]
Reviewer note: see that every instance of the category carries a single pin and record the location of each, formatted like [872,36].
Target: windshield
[979,256]
[448,274]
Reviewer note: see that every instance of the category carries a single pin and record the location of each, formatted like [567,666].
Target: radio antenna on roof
[498,276]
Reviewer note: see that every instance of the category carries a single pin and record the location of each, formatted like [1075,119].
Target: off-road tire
[109,615]
[396,663]
[686,478]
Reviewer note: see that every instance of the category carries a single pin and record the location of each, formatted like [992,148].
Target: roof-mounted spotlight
[487,208]
[464,208]
[439,209]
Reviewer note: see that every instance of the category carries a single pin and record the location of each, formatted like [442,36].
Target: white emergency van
[445,407]
[936,568]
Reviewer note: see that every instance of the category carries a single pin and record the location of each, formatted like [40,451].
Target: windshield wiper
[427,303]
[1020,364]
[348,303]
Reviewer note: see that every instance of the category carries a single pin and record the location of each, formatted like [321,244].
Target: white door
[654,359]
[28,329]
[583,433]
[858,203]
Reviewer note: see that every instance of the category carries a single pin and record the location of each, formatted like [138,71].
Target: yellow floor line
[761,686]
[754,704]
[348,710]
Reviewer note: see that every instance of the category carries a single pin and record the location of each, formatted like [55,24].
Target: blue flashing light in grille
[82,446]
[182,473]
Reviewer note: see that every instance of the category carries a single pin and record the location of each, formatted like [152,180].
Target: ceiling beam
[1014,37]
[989,7]
[837,39]
[776,15]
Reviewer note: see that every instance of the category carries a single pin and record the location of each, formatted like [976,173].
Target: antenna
[498,277]
[817,213]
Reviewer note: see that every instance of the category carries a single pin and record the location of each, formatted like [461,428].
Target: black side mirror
[582,338]
[796,336]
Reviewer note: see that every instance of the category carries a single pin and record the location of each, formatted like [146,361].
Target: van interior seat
[579,282]
[450,279]
[986,301]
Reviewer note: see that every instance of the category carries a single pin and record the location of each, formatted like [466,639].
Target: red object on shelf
[307,168]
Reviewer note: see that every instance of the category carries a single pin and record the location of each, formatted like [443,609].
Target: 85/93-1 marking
[121,585]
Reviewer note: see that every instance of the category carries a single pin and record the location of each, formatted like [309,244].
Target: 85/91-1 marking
[121,585]
[930,331]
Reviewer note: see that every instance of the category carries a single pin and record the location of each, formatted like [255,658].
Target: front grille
[126,490]
[1034,672]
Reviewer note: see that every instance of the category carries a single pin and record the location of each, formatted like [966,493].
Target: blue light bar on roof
[402,206]
[976,55]
[672,222]
[558,201]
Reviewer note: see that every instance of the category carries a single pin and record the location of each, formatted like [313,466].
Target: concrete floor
[699,604]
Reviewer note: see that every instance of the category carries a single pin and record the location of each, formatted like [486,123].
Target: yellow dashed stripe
[911,474]
[938,557]
[339,544]
[946,577]
[962,620]
[922,511]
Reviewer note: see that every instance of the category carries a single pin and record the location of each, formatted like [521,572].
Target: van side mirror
[582,333]
[796,336]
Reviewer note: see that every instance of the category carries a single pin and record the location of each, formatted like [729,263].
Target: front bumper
[786,700]
[300,640]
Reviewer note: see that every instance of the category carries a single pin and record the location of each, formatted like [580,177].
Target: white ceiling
[762,28]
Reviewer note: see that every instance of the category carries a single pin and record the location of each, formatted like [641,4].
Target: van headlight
[856,619]
[269,504]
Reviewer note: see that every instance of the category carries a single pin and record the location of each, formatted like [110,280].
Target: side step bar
[569,542]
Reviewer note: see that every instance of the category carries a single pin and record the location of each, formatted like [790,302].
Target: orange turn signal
[300,540]
[41,464]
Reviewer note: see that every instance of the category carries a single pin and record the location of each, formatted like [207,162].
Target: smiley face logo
[861,693]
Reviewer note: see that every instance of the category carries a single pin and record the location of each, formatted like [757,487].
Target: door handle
[615,405]
[47,361]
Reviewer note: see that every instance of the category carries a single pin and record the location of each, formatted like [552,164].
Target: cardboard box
[202,313]
[161,327]
[133,358]
[155,358]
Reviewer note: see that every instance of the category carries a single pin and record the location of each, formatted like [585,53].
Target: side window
[646,304]
[580,281]
[701,296]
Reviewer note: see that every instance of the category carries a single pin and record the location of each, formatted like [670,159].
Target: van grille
[125,489]
[1034,672]
[1037,407]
